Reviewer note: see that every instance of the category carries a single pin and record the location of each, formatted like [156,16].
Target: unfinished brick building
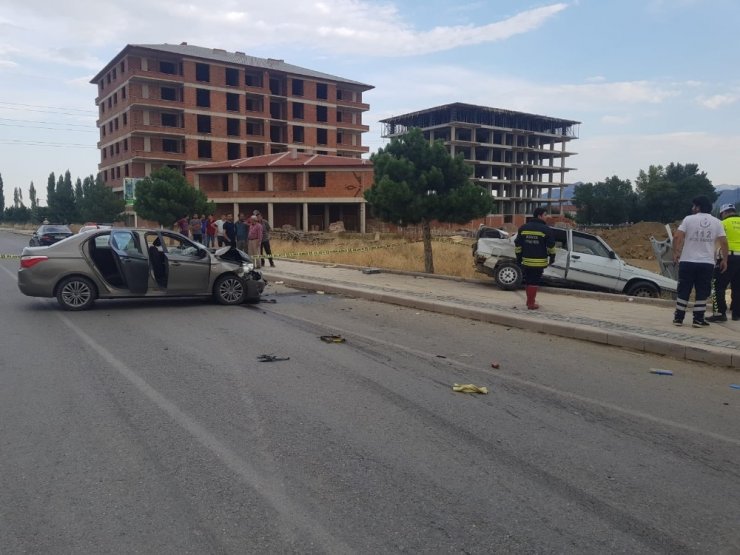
[183,105]
[517,157]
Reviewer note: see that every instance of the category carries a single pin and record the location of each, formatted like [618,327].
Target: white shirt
[702,231]
[219,226]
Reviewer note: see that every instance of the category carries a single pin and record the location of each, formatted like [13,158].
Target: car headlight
[246,268]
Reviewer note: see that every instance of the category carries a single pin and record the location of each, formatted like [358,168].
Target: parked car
[126,263]
[582,261]
[48,234]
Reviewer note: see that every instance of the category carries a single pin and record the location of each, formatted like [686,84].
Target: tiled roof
[285,160]
[239,58]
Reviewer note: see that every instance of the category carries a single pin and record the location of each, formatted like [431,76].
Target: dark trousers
[532,276]
[696,276]
[266,249]
[731,277]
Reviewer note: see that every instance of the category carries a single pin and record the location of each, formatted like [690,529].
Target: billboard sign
[129,189]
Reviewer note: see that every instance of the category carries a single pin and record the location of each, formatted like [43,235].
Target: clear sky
[652,81]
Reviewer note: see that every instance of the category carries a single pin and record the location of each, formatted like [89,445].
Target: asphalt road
[151,427]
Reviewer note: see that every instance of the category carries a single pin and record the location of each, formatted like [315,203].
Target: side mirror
[612,255]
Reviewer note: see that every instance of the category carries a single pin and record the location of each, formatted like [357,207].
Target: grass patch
[394,253]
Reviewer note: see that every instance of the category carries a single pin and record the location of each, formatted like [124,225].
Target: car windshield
[54,229]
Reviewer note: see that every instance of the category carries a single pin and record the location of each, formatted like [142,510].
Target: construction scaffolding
[518,157]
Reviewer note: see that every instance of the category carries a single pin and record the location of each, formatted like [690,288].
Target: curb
[653,345]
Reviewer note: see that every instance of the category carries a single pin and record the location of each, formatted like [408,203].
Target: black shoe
[677,322]
[699,324]
[717,318]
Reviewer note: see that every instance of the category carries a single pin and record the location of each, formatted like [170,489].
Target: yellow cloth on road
[469,388]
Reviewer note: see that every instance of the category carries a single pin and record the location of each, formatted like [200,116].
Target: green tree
[78,193]
[98,202]
[417,182]
[51,185]
[166,196]
[17,197]
[65,197]
[583,199]
[2,199]
[18,214]
[32,196]
[664,194]
[611,201]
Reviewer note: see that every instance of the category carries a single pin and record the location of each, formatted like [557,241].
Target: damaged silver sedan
[136,263]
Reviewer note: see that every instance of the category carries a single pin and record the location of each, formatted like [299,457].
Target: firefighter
[534,246]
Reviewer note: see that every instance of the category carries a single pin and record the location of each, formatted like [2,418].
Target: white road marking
[272,493]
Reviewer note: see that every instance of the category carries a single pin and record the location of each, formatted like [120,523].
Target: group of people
[250,234]
[706,251]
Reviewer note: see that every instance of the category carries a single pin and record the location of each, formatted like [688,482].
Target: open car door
[188,264]
[132,263]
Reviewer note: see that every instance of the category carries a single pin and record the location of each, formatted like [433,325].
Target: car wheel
[76,293]
[643,289]
[229,289]
[508,276]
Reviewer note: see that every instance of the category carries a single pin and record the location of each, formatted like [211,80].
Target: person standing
[694,252]
[229,231]
[254,240]
[242,230]
[183,225]
[534,246]
[220,231]
[731,276]
[196,229]
[265,246]
[211,232]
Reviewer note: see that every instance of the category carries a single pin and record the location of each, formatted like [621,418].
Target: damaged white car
[582,261]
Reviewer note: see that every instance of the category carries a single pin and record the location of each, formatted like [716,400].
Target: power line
[49,122]
[40,143]
[54,112]
[46,106]
[49,128]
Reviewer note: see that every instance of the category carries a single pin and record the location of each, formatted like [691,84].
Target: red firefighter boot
[531,295]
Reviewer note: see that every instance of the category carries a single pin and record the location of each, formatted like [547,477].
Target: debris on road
[660,372]
[371,270]
[495,365]
[735,385]
[332,339]
[271,358]
[469,388]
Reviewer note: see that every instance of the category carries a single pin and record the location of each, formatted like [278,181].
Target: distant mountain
[567,191]
[731,194]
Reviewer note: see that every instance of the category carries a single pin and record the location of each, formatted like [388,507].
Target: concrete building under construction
[519,158]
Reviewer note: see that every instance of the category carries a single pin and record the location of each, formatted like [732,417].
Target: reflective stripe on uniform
[535,262]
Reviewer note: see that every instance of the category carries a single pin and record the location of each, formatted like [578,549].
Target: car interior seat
[158,264]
